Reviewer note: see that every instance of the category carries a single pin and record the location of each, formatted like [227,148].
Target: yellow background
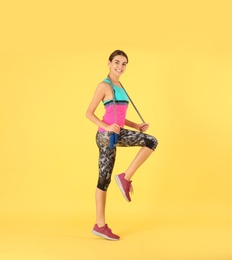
[52,56]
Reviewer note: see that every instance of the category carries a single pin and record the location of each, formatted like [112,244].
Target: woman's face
[118,65]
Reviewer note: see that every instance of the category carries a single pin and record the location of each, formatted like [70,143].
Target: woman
[114,121]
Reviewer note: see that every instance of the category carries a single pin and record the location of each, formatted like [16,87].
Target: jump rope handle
[113,140]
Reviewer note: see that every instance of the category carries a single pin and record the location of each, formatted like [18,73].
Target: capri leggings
[107,155]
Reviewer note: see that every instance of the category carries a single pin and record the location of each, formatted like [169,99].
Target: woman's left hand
[142,127]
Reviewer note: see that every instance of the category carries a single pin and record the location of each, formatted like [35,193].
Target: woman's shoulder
[103,86]
[104,83]
[107,80]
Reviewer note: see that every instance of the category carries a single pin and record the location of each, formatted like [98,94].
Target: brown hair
[118,52]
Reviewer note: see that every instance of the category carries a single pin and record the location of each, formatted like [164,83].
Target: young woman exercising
[114,121]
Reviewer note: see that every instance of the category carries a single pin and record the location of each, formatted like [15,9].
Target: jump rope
[114,136]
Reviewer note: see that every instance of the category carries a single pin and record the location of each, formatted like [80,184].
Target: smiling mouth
[119,70]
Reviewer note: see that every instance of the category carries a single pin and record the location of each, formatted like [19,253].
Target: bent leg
[139,159]
[148,143]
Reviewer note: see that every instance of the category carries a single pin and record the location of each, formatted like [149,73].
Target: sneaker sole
[121,188]
[104,236]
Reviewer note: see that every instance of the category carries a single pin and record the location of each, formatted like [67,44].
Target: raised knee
[151,143]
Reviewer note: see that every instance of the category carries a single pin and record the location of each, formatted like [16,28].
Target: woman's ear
[109,63]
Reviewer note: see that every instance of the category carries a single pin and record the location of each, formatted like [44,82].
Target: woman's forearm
[131,124]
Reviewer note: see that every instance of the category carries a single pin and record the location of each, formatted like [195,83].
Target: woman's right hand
[113,128]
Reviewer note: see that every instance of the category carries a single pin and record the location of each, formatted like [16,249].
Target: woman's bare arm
[102,92]
[141,127]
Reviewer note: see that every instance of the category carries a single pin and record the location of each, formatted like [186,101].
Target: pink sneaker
[124,186]
[104,232]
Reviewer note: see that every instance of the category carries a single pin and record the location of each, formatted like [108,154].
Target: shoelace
[108,229]
[129,187]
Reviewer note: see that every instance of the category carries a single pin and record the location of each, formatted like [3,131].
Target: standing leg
[106,164]
[101,228]
[100,207]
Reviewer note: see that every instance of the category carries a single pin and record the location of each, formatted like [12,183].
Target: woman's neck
[114,79]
